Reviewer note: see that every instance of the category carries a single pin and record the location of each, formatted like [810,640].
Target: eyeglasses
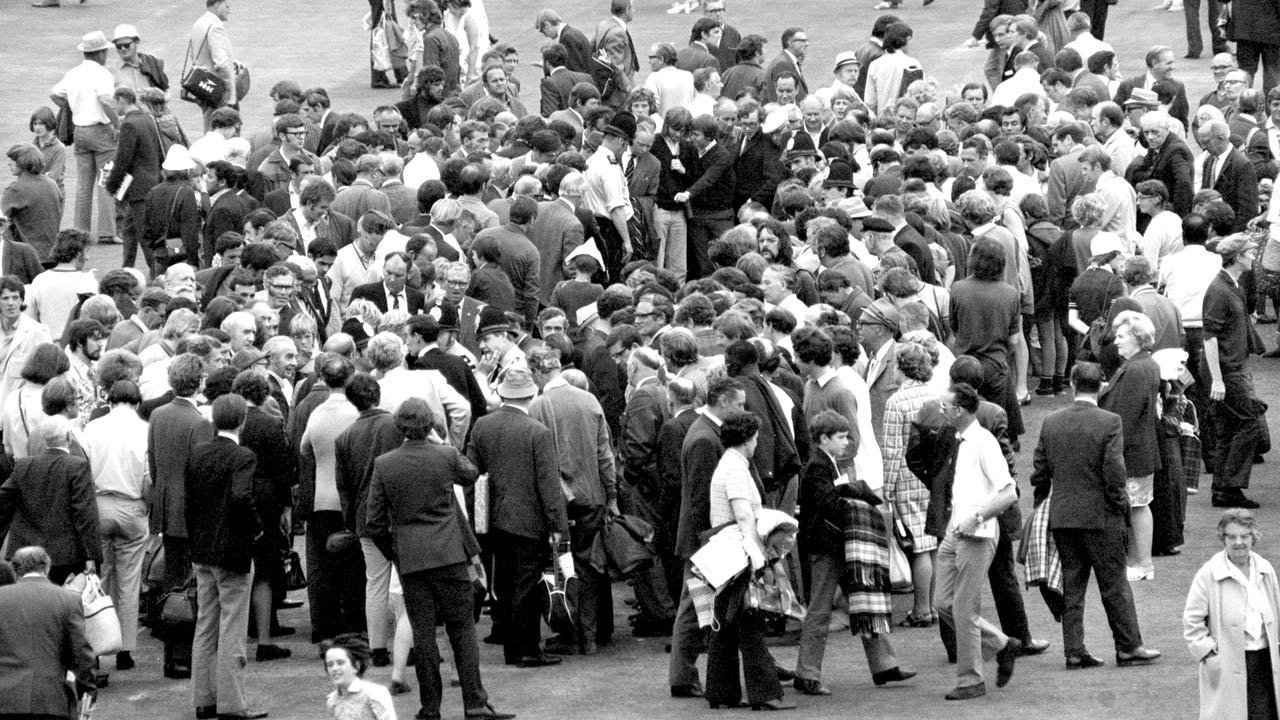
[456,283]
[281,288]
[124,45]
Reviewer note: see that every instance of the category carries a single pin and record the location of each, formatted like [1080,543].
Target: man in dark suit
[709,195]
[559,81]
[392,293]
[48,501]
[555,232]
[425,354]
[1079,462]
[887,164]
[1228,171]
[314,200]
[317,108]
[519,258]
[41,639]
[1066,176]
[227,206]
[140,150]
[726,50]
[795,45]
[757,165]
[1168,160]
[173,433]
[699,456]
[526,509]
[703,41]
[223,523]
[1160,63]
[414,520]
[575,42]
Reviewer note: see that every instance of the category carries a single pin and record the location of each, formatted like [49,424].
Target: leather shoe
[1084,662]
[266,653]
[687,691]
[785,675]
[810,687]
[1140,656]
[243,715]
[968,692]
[206,712]
[1005,660]
[895,675]
[399,687]
[488,713]
[1272,354]
[177,672]
[1035,647]
[536,661]
[775,704]
[125,661]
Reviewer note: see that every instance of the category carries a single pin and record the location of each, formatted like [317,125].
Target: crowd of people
[790,326]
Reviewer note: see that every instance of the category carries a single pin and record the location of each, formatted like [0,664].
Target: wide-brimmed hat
[856,208]
[493,320]
[94,42]
[125,32]
[882,312]
[622,125]
[846,58]
[1141,96]
[839,175]
[517,384]
[1106,242]
[178,159]
[773,122]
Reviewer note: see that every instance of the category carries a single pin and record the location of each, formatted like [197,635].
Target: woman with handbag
[172,213]
[736,498]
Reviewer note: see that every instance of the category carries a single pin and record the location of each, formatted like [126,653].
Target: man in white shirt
[981,489]
[87,91]
[672,86]
[1164,232]
[1184,278]
[356,264]
[1108,127]
[116,444]
[1120,216]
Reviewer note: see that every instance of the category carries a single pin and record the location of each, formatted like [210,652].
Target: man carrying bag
[209,73]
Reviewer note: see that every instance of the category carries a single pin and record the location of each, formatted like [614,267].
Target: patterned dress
[908,496]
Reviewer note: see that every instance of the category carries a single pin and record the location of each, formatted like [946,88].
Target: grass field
[321,43]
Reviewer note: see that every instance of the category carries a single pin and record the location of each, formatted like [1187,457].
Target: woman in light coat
[1230,626]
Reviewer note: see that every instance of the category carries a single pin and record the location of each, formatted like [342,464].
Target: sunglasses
[124,45]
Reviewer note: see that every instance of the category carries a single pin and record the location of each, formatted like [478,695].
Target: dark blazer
[413,517]
[21,259]
[328,127]
[914,244]
[524,476]
[757,170]
[712,190]
[990,9]
[372,434]
[579,47]
[457,374]
[555,89]
[274,474]
[1171,164]
[695,57]
[49,501]
[336,227]
[727,51]
[1133,394]
[41,638]
[139,152]
[699,456]
[221,516]
[1238,184]
[375,293]
[822,501]
[1081,452]
[742,77]
[1178,109]
[555,232]
[885,182]
[226,215]
[777,66]
[173,433]
[670,444]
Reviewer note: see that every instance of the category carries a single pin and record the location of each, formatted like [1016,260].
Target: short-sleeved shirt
[606,186]
[82,86]
[981,472]
[1227,319]
[985,315]
[732,481]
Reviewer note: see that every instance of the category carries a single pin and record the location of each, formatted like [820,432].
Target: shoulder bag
[200,85]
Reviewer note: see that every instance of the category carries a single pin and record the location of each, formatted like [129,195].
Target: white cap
[124,32]
[589,249]
[774,121]
[1105,242]
[178,159]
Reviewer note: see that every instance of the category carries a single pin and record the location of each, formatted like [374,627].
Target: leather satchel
[178,606]
[200,85]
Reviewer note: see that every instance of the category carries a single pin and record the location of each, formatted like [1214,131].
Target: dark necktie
[1207,183]
[395,301]
[631,168]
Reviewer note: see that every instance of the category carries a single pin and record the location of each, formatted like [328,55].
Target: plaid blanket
[1038,552]
[865,575]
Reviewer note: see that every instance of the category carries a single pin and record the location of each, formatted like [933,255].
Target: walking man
[87,93]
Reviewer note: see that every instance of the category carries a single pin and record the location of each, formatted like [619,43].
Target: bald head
[527,186]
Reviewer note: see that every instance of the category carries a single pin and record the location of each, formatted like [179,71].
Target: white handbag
[101,624]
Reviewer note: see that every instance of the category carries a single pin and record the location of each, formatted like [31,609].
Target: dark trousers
[1237,432]
[1195,43]
[1006,592]
[746,636]
[1249,53]
[1097,12]
[658,589]
[335,586]
[518,563]
[1169,503]
[443,593]
[612,249]
[132,233]
[1198,393]
[595,592]
[1103,553]
[177,570]
[705,226]
[1260,685]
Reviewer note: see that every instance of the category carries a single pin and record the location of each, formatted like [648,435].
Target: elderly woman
[735,498]
[908,496]
[32,202]
[42,125]
[1229,623]
[1134,393]
[346,658]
